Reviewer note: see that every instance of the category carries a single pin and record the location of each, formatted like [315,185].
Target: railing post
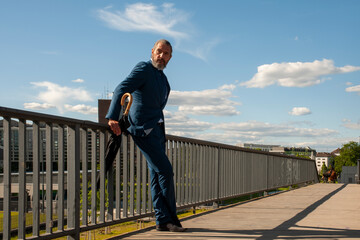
[267,176]
[61,165]
[49,174]
[217,174]
[36,179]
[7,178]
[84,159]
[73,183]
[22,179]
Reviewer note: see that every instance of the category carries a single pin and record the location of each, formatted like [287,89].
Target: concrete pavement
[319,211]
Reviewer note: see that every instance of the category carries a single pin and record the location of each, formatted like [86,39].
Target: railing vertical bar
[178,174]
[36,179]
[216,193]
[61,167]
[144,183]
[233,172]
[237,171]
[93,177]
[22,180]
[187,188]
[7,178]
[125,175]
[191,176]
[138,181]
[227,173]
[206,168]
[201,196]
[110,189]
[149,203]
[84,159]
[102,145]
[174,164]
[182,174]
[73,182]
[118,185]
[49,174]
[207,163]
[132,176]
[198,172]
[211,175]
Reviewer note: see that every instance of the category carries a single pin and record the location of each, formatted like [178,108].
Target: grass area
[15,219]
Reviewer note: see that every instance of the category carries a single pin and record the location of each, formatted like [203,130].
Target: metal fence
[204,172]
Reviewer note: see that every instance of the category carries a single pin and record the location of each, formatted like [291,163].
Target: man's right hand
[114,126]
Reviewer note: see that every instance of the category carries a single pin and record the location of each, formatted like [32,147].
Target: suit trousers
[161,174]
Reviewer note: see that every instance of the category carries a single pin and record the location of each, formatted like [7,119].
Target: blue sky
[266,72]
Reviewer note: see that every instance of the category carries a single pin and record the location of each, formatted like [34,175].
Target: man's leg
[161,172]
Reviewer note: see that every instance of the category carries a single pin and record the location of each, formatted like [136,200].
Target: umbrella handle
[129,104]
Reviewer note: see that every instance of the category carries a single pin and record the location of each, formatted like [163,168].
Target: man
[150,89]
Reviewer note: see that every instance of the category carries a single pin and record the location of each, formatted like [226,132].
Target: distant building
[261,147]
[103,106]
[322,158]
[294,151]
[300,152]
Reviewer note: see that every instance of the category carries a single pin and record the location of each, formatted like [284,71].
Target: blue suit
[150,89]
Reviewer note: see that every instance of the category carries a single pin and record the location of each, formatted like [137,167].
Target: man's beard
[161,65]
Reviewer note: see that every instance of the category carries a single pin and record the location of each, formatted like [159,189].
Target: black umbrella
[114,142]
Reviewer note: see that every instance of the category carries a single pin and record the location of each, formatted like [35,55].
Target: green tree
[323,169]
[349,154]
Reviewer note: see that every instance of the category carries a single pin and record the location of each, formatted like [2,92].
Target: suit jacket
[150,89]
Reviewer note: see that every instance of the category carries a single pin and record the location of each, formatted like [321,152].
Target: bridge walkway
[319,211]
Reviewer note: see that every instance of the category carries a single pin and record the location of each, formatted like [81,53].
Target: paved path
[320,211]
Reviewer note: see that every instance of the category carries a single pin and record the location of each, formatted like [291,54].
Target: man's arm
[134,81]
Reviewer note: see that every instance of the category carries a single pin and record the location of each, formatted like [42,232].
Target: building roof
[323,154]
[336,151]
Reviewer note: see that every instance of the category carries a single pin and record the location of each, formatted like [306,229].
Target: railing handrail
[41,117]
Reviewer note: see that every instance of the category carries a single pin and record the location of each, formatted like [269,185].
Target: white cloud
[295,74]
[300,111]
[215,102]
[165,20]
[353,89]
[251,131]
[81,108]
[350,125]
[178,123]
[79,80]
[38,106]
[349,83]
[255,128]
[57,96]
[146,17]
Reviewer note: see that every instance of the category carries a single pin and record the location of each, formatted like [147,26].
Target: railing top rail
[41,117]
[231,147]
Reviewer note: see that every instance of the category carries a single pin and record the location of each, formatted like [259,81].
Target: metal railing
[204,172]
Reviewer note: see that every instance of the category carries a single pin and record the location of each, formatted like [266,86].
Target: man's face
[160,55]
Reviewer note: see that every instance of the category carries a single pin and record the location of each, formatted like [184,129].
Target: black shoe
[176,221]
[161,227]
[170,227]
